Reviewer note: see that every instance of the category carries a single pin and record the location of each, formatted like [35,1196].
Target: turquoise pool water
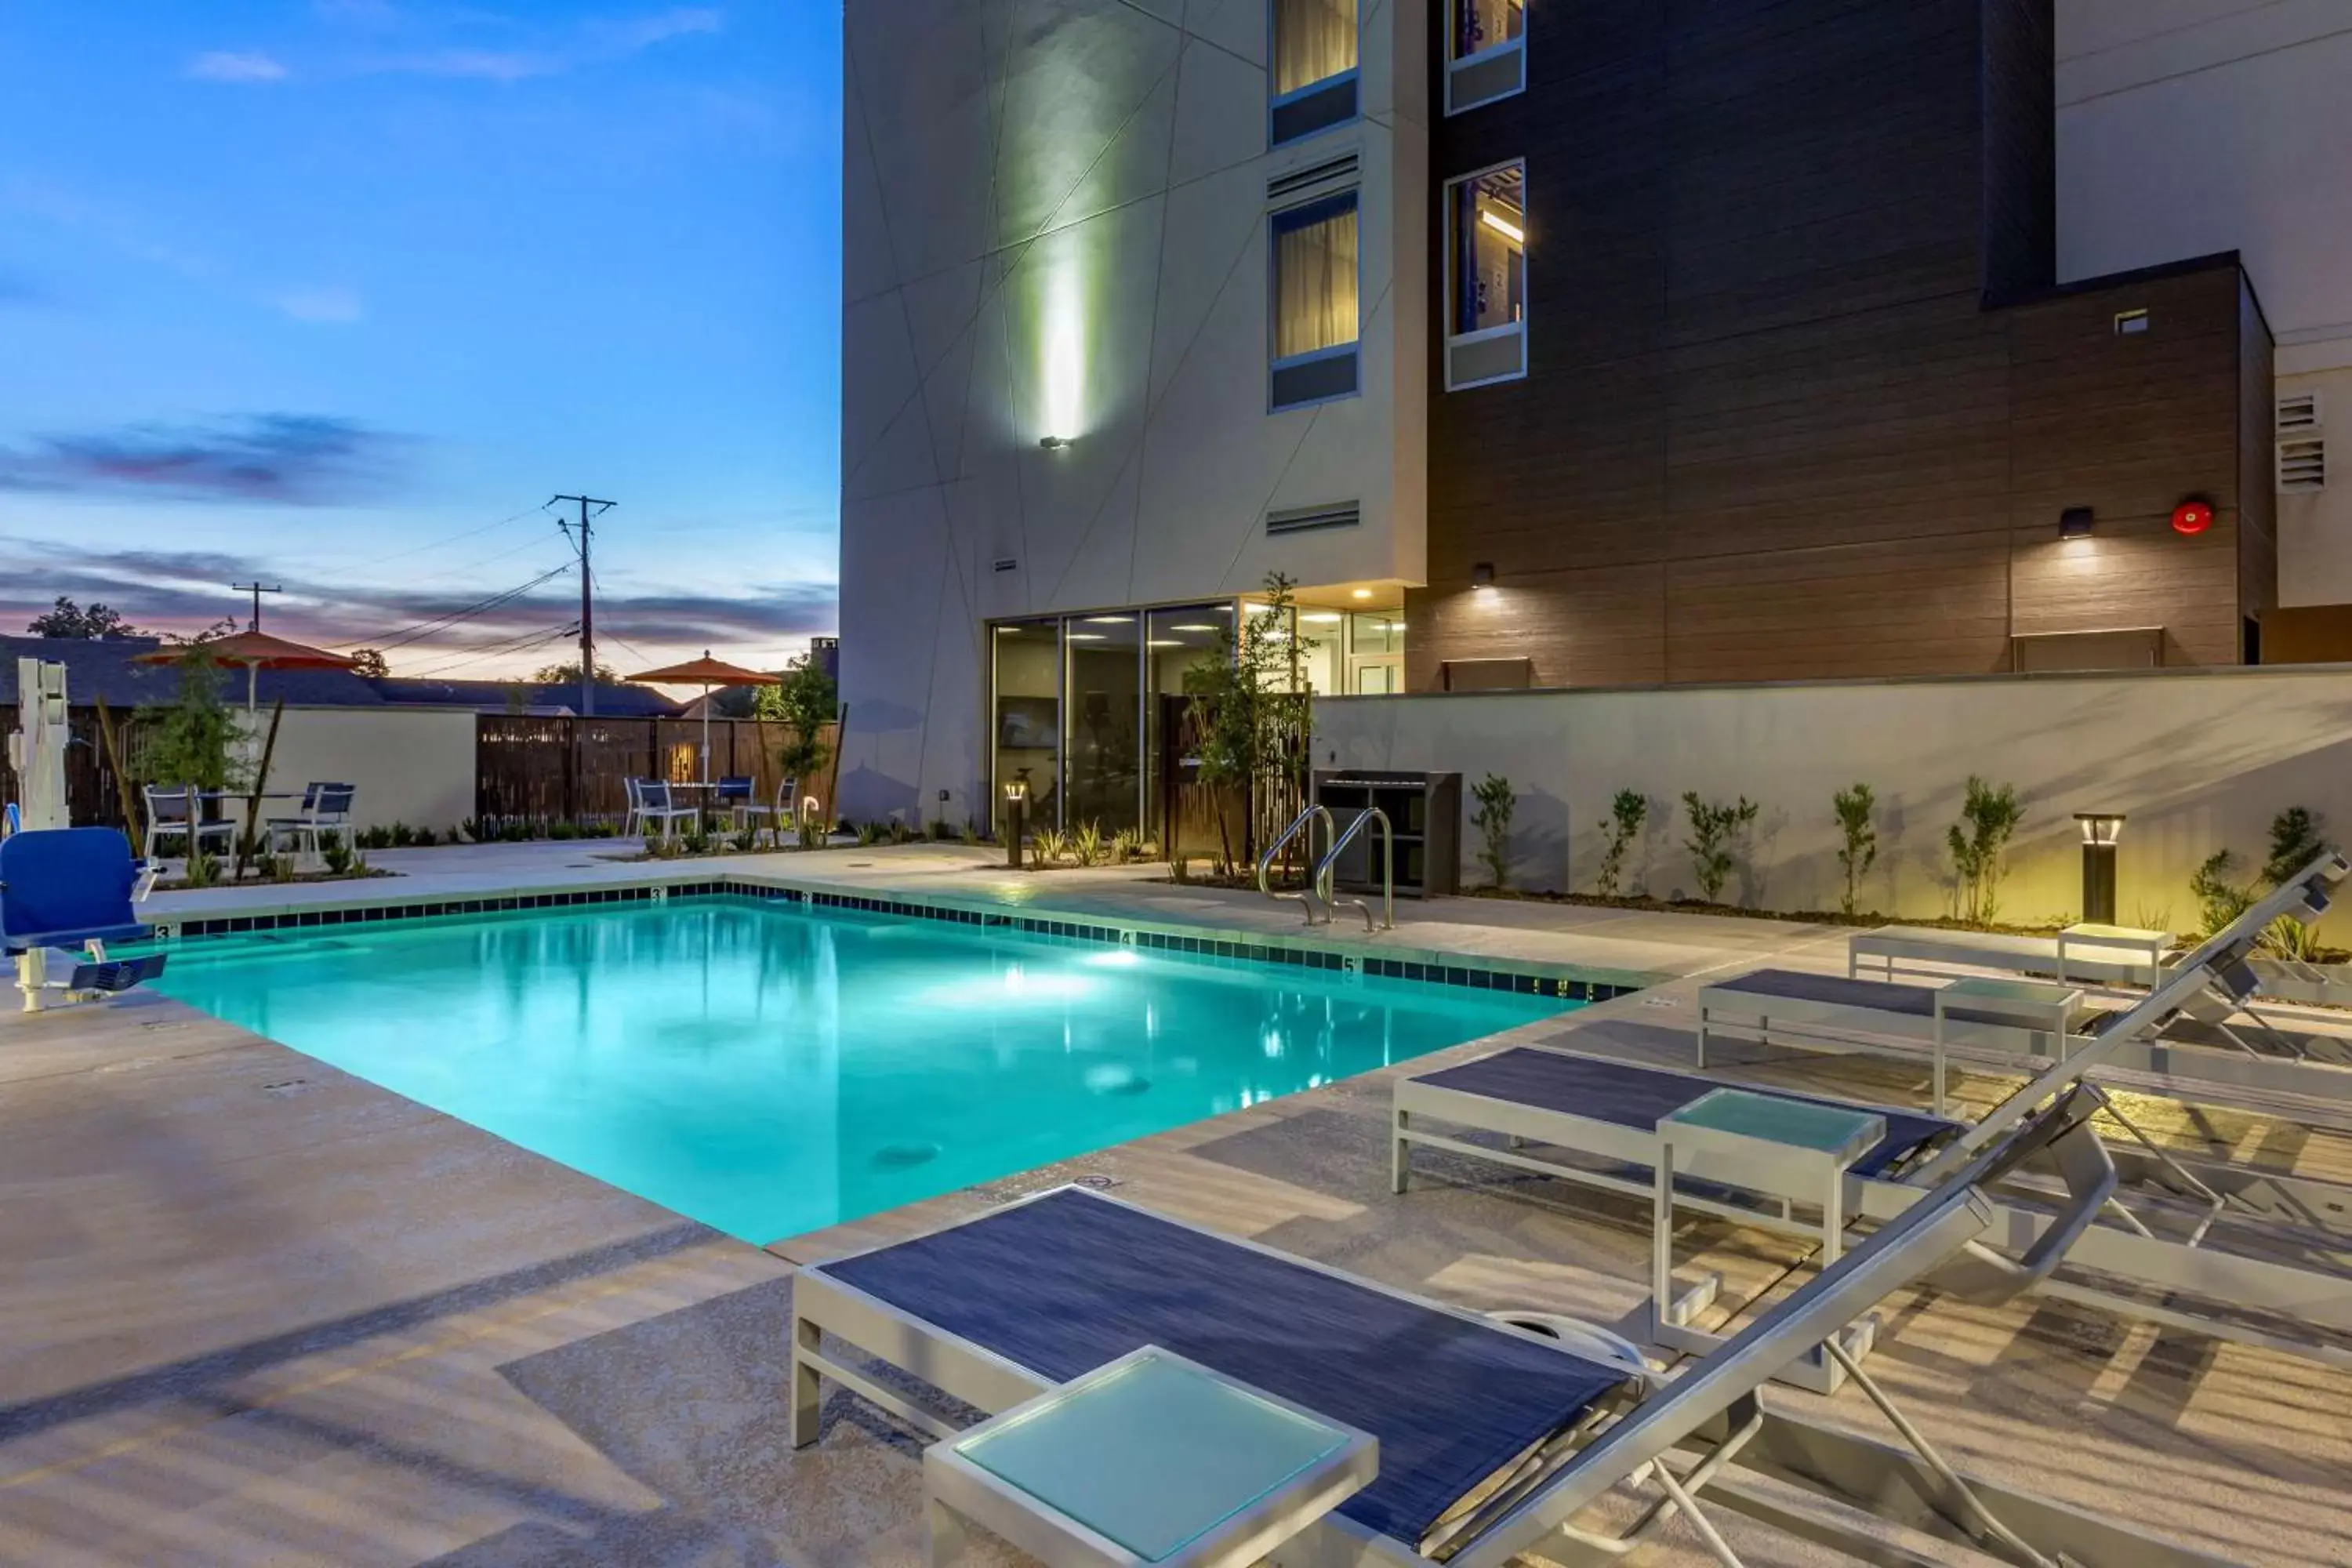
[768,1070]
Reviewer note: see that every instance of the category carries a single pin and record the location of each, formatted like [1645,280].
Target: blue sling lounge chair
[67,889]
[1493,1442]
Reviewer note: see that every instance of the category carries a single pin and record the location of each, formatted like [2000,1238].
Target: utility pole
[587,609]
[256,590]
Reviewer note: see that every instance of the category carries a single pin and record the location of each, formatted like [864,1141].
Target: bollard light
[1016,807]
[2101,829]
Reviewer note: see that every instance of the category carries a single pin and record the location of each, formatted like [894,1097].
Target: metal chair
[172,811]
[655,809]
[326,808]
[735,792]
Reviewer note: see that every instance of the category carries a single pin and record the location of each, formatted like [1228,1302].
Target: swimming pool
[768,1069]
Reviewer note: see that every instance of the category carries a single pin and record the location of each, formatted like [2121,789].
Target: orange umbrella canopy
[259,649]
[706,672]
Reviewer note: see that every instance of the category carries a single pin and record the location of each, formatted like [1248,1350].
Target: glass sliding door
[1026,729]
[1102,717]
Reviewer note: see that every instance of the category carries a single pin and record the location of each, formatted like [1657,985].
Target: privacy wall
[2198,760]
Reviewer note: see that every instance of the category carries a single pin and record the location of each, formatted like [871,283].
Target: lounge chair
[1598,1118]
[63,888]
[2185,1043]
[1492,1441]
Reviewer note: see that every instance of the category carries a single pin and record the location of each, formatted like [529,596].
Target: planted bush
[1989,819]
[1717,832]
[1853,808]
[1493,821]
[1627,813]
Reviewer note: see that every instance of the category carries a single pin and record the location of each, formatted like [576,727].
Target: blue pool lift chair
[63,889]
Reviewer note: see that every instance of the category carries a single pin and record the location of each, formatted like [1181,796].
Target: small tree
[1493,821]
[1853,808]
[1244,712]
[804,703]
[1627,812]
[2221,897]
[1988,818]
[371,663]
[568,673]
[2295,843]
[1713,842]
[194,740]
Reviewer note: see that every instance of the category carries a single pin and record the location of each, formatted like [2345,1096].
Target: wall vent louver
[2298,412]
[2303,464]
[1007,563]
[1306,518]
[1291,183]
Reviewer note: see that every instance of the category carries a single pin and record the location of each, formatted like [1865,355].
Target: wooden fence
[92,793]
[560,769]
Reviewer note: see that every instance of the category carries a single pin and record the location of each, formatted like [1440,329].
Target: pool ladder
[1319,889]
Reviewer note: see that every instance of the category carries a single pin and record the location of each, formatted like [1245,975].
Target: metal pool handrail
[1324,872]
[1306,895]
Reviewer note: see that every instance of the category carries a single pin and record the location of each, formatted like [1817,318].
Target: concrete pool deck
[259,1311]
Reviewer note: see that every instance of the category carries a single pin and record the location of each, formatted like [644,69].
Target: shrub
[813,836]
[1493,821]
[204,869]
[1853,808]
[278,868]
[1127,845]
[564,830]
[1716,831]
[1626,815]
[2296,843]
[971,834]
[1989,819]
[867,832]
[2220,898]
[334,854]
[424,839]
[1050,845]
[1086,845]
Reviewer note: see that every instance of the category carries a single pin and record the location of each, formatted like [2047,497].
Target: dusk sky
[339,291]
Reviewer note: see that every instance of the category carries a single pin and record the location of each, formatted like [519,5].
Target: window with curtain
[1315,276]
[1313,40]
[1490,250]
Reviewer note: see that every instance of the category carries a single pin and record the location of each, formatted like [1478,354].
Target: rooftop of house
[106,669]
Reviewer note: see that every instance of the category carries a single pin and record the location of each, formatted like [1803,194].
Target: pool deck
[257,1312]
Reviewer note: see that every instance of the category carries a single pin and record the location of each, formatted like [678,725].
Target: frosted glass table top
[1772,1119]
[1981,988]
[1153,1452]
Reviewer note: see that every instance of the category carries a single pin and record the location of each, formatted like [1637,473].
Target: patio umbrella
[256,651]
[708,673]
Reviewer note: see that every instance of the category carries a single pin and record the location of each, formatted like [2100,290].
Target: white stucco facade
[2191,126]
[1056,224]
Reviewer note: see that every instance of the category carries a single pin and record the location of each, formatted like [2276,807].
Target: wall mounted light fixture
[2077,522]
[1481,576]
[1055,443]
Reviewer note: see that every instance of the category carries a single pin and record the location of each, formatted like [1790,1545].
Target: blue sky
[308,289]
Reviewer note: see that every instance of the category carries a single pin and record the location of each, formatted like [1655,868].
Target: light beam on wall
[1065,368]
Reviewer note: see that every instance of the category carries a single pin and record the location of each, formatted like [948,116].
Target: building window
[1487,56]
[1315,279]
[1486,276]
[1314,67]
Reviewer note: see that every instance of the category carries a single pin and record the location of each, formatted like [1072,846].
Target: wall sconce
[2076,522]
[1056,443]
[2101,829]
[1016,809]
[1481,576]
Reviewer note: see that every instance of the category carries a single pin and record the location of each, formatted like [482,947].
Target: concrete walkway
[257,1312]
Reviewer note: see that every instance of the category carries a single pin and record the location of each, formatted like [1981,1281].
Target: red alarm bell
[2193,517]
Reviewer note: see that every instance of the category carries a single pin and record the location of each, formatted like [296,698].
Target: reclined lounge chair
[1493,1442]
[2188,1046]
[67,889]
[2177,1246]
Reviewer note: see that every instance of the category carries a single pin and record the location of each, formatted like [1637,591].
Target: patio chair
[1493,1441]
[736,794]
[1596,1120]
[62,888]
[169,813]
[655,809]
[326,808]
[632,820]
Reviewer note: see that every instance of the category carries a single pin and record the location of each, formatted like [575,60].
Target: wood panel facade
[1800,400]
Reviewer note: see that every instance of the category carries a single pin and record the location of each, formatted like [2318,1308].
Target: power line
[529,642]
[407,634]
[453,539]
